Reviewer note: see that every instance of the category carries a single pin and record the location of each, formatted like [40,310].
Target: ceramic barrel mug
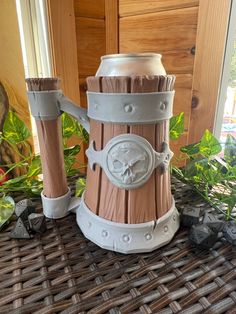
[127,205]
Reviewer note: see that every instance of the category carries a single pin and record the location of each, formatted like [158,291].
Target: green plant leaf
[176,128]
[82,133]
[209,145]
[69,125]
[80,186]
[35,186]
[7,207]
[69,162]
[14,129]
[230,150]
[70,158]
[72,151]
[34,167]
[15,181]
[191,149]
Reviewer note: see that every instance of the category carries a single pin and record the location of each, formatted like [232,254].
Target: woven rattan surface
[62,272]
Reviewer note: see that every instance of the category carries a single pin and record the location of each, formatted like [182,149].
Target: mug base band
[127,238]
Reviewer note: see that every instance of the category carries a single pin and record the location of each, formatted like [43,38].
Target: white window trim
[32,20]
[35,44]
[225,71]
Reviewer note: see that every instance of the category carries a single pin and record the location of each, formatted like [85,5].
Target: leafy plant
[16,134]
[210,175]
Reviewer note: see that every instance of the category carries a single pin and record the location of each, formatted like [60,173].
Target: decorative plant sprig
[211,176]
[16,134]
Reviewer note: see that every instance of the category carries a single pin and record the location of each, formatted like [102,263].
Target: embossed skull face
[127,162]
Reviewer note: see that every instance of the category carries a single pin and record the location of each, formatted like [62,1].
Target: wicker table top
[62,272]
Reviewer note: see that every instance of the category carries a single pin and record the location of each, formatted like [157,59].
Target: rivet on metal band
[124,108]
[129,160]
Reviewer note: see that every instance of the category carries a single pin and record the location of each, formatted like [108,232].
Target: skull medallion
[128,162]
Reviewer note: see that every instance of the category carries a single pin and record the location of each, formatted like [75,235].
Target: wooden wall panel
[63,45]
[183,97]
[90,8]
[210,43]
[64,52]
[172,30]
[163,32]
[111,12]
[91,39]
[178,61]
[135,7]
[90,44]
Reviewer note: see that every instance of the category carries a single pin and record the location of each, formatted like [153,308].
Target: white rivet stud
[174,217]
[96,106]
[126,238]
[128,108]
[89,224]
[148,236]
[162,106]
[165,228]
[104,233]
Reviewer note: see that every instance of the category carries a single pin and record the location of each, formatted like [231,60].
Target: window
[225,122]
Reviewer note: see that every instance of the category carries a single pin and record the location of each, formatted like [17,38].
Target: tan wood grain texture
[183,97]
[91,43]
[136,7]
[113,200]
[64,46]
[90,8]
[62,35]
[111,13]
[210,43]
[11,60]
[173,30]
[93,181]
[175,61]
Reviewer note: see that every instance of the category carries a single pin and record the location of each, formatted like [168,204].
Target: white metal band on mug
[48,105]
[127,238]
[129,160]
[124,108]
